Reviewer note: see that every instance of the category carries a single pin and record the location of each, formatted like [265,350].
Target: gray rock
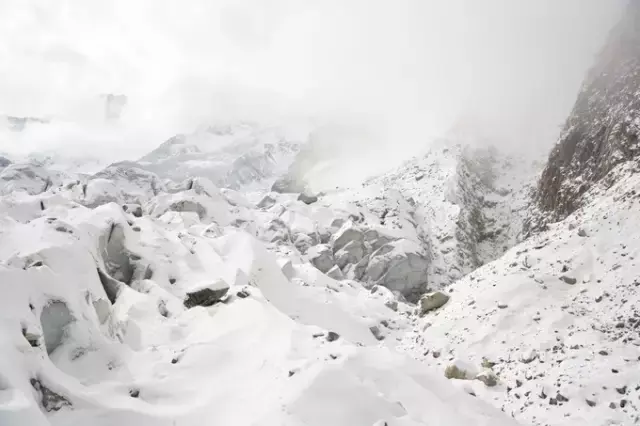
[287,185]
[399,270]
[307,198]
[267,202]
[432,301]
[568,280]
[351,253]
[303,243]
[321,256]
[207,296]
[488,377]
[134,209]
[49,400]
[357,271]
[375,330]
[335,273]
[345,235]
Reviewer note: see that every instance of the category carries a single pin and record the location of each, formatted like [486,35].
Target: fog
[397,73]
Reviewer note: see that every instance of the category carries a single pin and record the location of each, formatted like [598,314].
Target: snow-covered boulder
[432,301]
[350,254]
[29,178]
[335,273]
[321,256]
[400,266]
[303,242]
[122,183]
[346,234]
[208,209]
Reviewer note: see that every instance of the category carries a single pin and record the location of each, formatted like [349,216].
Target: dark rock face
[206,296]
[604,126]
[50,400]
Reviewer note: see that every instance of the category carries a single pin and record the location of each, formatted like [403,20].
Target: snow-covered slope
[231,156]
[198,306]
[557,314]
[464,206]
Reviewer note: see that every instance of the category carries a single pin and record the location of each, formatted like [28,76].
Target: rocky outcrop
[603,130]
[432,301]
[27,177]
[206,296]
[321,256]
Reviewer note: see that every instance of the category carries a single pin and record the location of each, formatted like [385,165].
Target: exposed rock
[357,271]
[267,202]
[207,296]
[488,377]
[351,253]
[432,301]
[335,273]
[348,233]
[529,356]
[49,400]
[603,129]
[286,266]
[460,370]
[568,280]
[4,162]
[400,266]
[321,256]
[287,185]
[375,330]
[307,198]
[134,209]
[332,336]
[303,243]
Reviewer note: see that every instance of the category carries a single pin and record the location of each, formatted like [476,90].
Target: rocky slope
[556,318]
[603,129]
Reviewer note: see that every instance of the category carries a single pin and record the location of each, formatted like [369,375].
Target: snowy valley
[233,276]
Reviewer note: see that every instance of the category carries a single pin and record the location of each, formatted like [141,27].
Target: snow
[94,327]
[95,331]
[584,336]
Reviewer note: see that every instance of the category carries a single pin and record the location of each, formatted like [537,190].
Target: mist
[396,74]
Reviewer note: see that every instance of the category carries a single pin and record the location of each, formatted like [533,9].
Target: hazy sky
[405,70]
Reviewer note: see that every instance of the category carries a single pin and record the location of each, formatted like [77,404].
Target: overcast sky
[406,70]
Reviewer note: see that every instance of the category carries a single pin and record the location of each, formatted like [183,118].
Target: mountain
[232,156]
[602,131]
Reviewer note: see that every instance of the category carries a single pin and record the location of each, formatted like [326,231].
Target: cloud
[406,70]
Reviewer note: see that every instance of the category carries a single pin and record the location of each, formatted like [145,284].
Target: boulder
[400,266]
[460,370]
[350,254]
[357,271]
[134,209]
[432,301]
[307,198]
[206,296]
[321,257]
[345,235]
[488,377]
[303,242]
[287,185]
[335,273]
[267,202]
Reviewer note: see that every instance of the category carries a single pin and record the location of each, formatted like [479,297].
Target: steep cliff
[603,129]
